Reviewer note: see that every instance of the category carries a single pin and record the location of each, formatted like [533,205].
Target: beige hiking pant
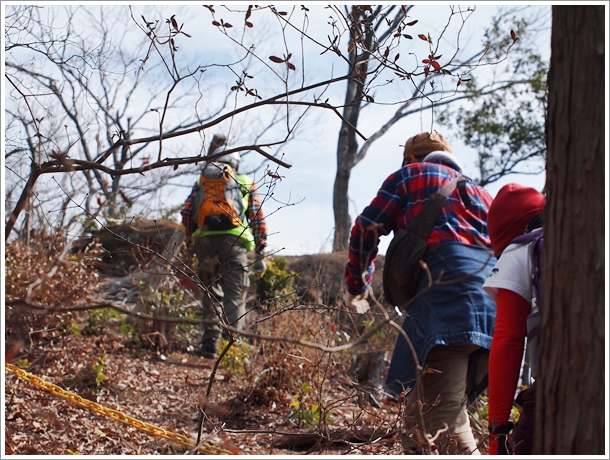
[447,388]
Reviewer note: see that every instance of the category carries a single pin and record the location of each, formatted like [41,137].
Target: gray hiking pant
[223,270]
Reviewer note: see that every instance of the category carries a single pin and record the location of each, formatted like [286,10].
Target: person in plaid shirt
[222,255]
[450,325]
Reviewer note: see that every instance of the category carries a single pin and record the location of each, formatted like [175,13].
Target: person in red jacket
[515,211]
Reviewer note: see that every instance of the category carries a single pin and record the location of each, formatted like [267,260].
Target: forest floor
[169,392]
[83,377]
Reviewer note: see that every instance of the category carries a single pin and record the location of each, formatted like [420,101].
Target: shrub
[276,282]
[44,272]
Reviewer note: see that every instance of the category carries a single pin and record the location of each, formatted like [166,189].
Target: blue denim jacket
[448,314]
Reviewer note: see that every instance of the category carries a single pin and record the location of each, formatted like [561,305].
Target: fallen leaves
[166,394]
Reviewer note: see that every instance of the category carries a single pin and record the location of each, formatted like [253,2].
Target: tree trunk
[343,221]
[570,402]
[347,147]
[23,199]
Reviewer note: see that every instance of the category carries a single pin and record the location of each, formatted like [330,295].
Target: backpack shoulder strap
[423,222]
[461,185]
[534,235]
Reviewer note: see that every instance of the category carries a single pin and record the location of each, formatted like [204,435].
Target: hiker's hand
[259,267]
[499,441]
[357,302]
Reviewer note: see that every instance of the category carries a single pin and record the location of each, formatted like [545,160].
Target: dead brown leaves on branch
[284,60]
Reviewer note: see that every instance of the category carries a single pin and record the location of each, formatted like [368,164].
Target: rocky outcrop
[322,276]
[131,245]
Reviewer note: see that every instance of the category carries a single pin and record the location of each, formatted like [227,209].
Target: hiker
[450,326]
[515,211]
[222,234]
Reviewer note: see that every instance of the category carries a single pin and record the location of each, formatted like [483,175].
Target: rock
[322,276]
[134,244]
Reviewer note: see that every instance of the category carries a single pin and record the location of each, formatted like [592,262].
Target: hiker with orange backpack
[224,220]
[450,325]
[515,229]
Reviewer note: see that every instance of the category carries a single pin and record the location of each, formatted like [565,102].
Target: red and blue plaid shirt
[254,214]
[399,199]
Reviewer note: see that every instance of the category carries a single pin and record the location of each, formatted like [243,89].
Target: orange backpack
[218,203]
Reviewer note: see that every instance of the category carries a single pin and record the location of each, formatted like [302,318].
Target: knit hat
[424,143]
[233,159]
[510,212]
[444,158]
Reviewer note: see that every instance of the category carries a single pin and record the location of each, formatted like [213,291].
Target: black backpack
[535,242]
[409,246]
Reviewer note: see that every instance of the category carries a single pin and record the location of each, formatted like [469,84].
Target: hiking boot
[208,348]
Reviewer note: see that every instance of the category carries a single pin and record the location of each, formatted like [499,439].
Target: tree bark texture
[570,402]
